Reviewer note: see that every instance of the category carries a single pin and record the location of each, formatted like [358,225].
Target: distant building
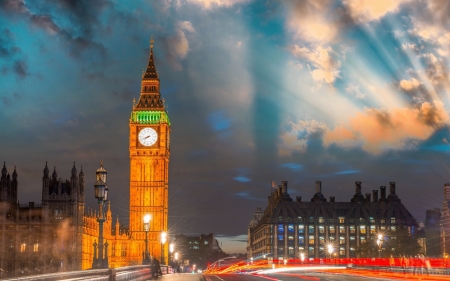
[433,232]
[288,228]
[198,249]
[445,221]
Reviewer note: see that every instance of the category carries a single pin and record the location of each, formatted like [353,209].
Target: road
[315,276]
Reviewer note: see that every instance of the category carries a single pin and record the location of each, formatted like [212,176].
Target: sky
[256,91]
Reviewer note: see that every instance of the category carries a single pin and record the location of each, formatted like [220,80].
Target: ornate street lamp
[101,193]
[147,219]
[163,240]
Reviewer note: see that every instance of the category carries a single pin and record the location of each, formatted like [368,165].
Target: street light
[101,193]
[176,261]
[379,243]
[171,249]
[163,240]
[330,249]
[147,219]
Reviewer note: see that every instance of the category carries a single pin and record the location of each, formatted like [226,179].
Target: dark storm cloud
[20,68]
[79,39]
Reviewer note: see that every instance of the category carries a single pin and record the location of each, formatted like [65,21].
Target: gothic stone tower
[149,164]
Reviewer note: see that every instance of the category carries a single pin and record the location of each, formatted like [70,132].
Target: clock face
[148,136]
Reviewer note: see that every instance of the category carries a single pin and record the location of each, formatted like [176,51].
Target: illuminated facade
[149,164]
[288,228]
[59,234]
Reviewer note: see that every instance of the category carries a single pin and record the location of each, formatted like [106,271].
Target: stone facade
[288,228]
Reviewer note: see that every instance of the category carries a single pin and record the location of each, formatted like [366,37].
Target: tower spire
[150,72]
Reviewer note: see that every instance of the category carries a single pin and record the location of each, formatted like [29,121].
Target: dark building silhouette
[288,228]
[433,232]
[445,221]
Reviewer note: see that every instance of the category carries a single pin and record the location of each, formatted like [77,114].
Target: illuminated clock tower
[149,165]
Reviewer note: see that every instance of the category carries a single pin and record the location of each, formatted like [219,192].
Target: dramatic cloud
[368,10]
[296,139]
[210,4]
[178,45]
[380,130]
[408,85]
[310,21]
[326,67]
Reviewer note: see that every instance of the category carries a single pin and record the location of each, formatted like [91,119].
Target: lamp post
[147,219]
[379,243]
[101,193]
[163,240]
[176,261]
[171,249]
[330,249]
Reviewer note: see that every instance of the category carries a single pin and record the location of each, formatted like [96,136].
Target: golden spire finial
[151,42]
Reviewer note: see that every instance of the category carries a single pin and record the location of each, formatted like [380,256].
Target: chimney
[331,198]
[375,195]
[358,187]
[318,187]
[299,199]
[284,187]
[383,193]
[392,187]
[279,191]
[367,197]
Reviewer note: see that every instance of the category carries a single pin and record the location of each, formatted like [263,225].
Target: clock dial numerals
[148,136]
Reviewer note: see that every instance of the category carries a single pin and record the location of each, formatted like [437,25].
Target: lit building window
[23,247]
[393,228]
[392,220]
[321,229]
[311,251]
[301,240]
[321,240]
[311,229]
[291,228]
[362,229]
[290,237]
[280,228]
[371,220]
[342,251]
[301,228]
[280,237]
[321,220]
[291,250]
[341,219]
[36,248]
[352,229]
[341,229]
[341,240]
[332,229]
[372,229]
[311,240]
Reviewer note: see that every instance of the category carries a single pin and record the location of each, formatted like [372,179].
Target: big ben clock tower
[149,165]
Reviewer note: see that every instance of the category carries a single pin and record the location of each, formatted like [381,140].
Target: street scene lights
[379,243]
[147,219]
[163,241]
[330,250]
[171,249]
[101,193]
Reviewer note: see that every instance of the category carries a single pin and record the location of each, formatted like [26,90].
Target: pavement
[182,277]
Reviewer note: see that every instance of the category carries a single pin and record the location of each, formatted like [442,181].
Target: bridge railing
[128,273]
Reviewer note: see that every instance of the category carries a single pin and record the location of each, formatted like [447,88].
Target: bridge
[137,272]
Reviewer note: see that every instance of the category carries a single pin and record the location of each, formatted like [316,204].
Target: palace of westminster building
[59,234]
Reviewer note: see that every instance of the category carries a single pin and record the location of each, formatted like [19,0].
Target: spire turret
[14,174]
[4,170]
[150,72]
[46,171]
[54,175]
[74,170]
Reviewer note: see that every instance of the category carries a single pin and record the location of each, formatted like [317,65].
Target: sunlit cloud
[210,4]
[368,10]
[378,130]
[296,139]
[408,85]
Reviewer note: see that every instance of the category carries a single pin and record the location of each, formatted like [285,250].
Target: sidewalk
[181,277]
